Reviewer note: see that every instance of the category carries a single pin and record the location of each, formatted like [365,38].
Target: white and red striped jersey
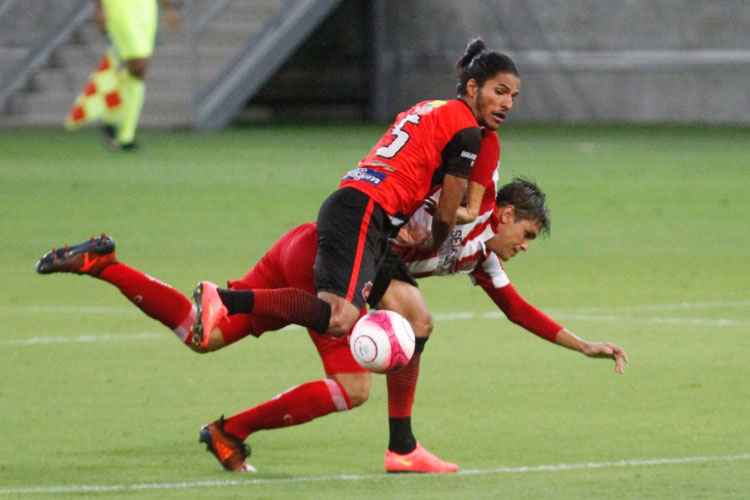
[465,252]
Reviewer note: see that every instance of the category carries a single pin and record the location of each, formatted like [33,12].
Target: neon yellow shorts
[131,25]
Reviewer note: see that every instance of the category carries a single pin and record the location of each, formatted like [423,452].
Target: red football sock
[402,385]
[238,326]
[293,305]
[296,406]
[158,300]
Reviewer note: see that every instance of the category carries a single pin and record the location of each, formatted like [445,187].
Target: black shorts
[393,268]
[353,234]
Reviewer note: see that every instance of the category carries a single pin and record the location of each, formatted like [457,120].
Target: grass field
[650,248]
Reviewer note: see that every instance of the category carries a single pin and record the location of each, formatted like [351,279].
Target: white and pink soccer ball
[382,341]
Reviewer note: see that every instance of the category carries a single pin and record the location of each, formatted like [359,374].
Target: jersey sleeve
[513,305]
[461,152]
[487,161]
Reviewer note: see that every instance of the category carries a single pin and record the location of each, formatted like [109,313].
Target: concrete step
[172,78]
[179,64]
[51,109]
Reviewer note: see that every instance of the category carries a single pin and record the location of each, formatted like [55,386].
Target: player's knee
[342,319]
[357,388]
[358,393]
[340,325]
[342,314]
[422,325]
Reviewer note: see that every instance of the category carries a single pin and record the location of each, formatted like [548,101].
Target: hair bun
[473,49]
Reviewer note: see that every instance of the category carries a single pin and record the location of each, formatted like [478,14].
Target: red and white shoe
[420,461]
[209,311]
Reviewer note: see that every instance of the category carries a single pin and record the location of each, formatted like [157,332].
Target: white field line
[439,317]
[191,485]
[105,310]
[680,306]
[83,339]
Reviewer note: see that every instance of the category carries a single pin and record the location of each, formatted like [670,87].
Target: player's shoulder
[490,139]
[451,111]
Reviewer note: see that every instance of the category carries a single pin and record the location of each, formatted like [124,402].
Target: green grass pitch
[649,248]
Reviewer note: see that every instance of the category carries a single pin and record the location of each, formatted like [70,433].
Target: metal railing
[39,54]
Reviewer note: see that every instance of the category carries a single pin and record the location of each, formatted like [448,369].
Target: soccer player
[431,143]
[131,27]
[519,216]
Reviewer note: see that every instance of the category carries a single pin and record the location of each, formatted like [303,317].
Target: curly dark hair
[528,199]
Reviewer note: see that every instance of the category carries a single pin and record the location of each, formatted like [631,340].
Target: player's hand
[607,350]
[411,236]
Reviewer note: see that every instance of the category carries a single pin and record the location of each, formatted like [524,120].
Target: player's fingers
[619,364]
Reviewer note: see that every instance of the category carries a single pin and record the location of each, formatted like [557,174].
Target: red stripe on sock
[362,238]
[158,300]
[402,385]
[296,406]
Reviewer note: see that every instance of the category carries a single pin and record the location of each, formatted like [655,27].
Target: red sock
[402,385]
[238,326]
[158,300]
[296,406]
[293,305]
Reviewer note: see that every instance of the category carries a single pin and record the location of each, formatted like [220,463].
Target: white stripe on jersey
[463,251]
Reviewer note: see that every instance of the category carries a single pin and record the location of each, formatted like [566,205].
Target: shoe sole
[101,246]
[198,325]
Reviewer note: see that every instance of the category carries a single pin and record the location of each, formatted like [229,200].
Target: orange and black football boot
[89,257]
[230,451]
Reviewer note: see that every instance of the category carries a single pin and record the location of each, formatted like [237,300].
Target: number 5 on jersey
[400,137]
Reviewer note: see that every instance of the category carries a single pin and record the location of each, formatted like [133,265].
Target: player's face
[512,236]
[494,100]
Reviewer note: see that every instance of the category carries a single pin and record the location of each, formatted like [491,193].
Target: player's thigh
[352,240]
[407,300]
[131,25]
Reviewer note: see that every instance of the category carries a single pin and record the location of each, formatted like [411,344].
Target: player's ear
[507,214]
[472,89]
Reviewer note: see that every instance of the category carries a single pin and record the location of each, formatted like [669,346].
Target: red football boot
[209,311]
[419,460]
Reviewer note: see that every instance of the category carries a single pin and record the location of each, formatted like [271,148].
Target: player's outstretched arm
[568,339]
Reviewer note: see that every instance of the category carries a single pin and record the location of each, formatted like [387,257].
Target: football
[382,341]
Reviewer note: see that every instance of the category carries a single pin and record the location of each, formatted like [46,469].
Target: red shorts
[289,263]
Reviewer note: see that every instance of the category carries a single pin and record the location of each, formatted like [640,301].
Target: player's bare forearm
[569,340]
[445,213]
[470,212]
